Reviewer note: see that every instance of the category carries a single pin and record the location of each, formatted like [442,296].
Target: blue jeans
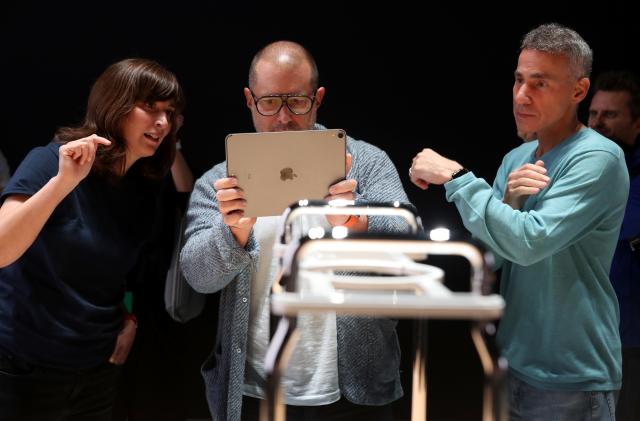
[529,403]
[32,393]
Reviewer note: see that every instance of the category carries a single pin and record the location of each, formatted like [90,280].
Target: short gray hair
[554,38]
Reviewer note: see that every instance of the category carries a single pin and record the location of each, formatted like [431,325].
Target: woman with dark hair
[73,219]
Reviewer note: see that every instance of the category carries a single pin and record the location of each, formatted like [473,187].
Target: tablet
[276,169]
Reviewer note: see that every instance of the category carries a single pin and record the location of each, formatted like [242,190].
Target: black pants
[32,393]
[628,408]
[343,410]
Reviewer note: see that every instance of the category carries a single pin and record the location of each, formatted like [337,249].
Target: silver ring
[409,172]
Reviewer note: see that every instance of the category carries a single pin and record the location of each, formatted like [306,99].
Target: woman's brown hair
[112,97]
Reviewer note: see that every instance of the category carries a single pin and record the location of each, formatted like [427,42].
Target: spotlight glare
[439,234]
[339,232]
[316,232]
[341,202]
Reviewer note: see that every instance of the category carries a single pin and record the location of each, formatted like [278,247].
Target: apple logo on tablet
[287,174]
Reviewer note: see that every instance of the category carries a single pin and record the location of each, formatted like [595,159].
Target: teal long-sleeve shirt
[559,330]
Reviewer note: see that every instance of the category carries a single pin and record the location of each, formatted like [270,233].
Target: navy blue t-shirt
[61,302]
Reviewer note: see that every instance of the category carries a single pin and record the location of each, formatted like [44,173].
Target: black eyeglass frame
[284,98]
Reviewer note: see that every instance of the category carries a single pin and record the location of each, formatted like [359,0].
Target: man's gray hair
[554,38]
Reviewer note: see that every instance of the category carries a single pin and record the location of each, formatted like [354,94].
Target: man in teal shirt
[552,218]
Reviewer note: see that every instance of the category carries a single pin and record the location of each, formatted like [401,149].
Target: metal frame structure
[308,283]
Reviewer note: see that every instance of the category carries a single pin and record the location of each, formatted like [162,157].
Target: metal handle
[413,248]
[346,207]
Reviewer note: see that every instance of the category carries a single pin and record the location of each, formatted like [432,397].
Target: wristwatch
[459,173]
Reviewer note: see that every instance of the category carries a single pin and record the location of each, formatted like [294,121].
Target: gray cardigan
[212,261]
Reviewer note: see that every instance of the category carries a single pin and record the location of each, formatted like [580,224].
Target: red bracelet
[132,317]
[353,219]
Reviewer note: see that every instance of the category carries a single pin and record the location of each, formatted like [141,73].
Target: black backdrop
[399,75]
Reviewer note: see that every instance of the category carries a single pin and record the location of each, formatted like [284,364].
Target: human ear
[248,97]
[580,89]
[319,95]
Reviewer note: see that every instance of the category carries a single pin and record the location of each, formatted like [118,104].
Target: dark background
[399,75]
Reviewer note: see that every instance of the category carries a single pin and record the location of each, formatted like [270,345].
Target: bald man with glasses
[343,367]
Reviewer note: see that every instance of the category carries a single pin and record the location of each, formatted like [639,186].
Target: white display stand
[312,282]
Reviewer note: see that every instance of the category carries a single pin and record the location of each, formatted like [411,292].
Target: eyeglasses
[269,105]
